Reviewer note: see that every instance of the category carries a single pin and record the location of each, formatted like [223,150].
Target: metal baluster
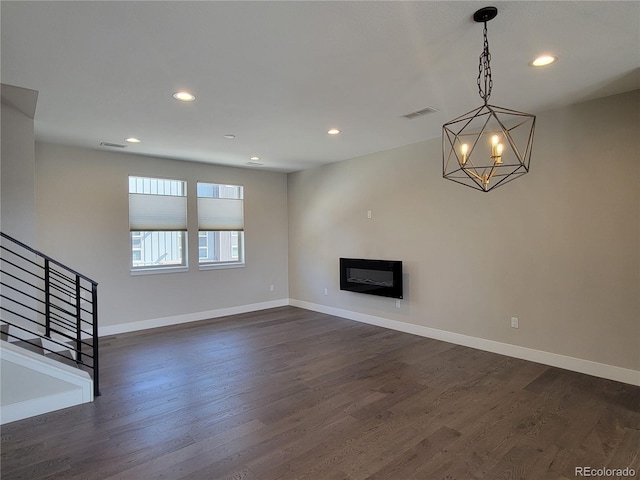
[78,320]
[47,299]
[96,375]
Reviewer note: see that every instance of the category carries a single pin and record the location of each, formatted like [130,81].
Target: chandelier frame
[501,164]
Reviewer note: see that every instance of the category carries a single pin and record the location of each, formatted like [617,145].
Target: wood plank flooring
[292,394]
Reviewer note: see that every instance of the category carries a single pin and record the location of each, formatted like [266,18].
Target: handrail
[70,300]
[47,257]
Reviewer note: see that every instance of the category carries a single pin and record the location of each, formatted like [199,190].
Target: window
[220,224]
[157,223]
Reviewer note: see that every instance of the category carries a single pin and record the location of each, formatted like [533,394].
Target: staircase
[48,329]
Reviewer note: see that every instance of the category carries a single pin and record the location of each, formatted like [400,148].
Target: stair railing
[48,305]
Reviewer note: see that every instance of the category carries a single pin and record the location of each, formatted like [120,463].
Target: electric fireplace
[373,277]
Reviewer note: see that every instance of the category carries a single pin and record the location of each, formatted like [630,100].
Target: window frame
[239,234]
[183,247]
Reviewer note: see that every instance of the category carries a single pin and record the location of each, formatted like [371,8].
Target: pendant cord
[484,70]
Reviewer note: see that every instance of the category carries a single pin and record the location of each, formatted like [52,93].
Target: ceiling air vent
[114,145]
[255,164]
[420,113]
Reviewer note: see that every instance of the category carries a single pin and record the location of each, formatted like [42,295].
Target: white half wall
[33,384]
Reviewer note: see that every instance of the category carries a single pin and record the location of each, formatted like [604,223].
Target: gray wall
[559,248]
[82,214]
[17,205]
[17,191]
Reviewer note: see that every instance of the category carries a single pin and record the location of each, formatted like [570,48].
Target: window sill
[220,266]
[159,270]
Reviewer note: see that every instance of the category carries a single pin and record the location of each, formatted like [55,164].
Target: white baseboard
[588,367]
[189,317]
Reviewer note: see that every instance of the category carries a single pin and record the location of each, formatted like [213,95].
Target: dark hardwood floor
[292,394]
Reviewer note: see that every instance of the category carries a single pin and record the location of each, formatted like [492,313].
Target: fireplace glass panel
[364,276]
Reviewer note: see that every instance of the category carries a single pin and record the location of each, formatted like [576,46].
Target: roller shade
[222,214]
[157,212]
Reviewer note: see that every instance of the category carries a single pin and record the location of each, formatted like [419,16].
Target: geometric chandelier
[489,146]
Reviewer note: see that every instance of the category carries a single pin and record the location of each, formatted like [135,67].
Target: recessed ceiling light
[229,136]
[254,158]
[333,131]
[184,96]
[132,140]
[543,60]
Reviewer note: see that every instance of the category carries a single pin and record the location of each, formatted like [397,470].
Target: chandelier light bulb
[494,146]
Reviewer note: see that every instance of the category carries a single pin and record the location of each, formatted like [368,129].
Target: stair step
[68,357]
[37,348]
[56,347]
[41,345]
[14,334]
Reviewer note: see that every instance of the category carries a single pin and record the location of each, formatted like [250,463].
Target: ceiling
[278,75]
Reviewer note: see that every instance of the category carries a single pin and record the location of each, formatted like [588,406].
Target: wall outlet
[326,292]
[271,288]
[397,303]
[514,322]
[369,214]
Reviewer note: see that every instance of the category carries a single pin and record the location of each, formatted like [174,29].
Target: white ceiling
[278,75]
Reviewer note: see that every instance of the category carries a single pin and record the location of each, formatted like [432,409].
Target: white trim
[158,270]
[38,406]
[189,317]
[580,365]
[220,265]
